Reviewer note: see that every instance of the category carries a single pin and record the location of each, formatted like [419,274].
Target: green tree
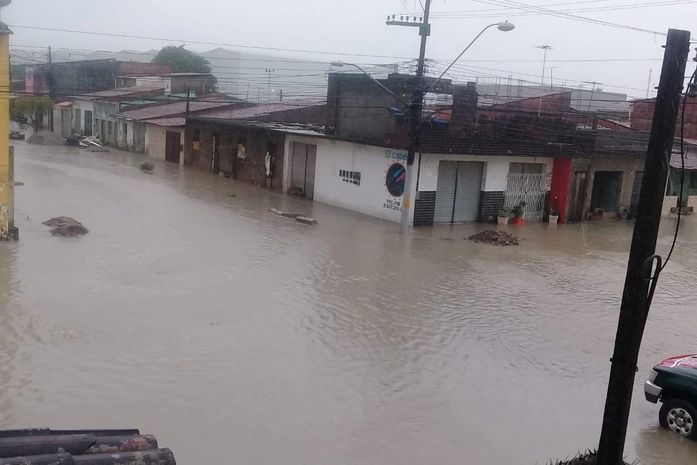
[31,107]
[182,60]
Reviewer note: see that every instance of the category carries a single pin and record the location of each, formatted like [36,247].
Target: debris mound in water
[66,227]
[45,138]
[493,237]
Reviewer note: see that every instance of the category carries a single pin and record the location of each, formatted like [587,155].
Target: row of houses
[349,150]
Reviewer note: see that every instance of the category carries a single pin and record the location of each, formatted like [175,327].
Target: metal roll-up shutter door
[469,184]
[445,192]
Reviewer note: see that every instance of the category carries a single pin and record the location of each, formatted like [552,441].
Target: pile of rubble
[66,227]
[493,237]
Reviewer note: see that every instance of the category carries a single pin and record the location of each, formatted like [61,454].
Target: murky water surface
[237,336]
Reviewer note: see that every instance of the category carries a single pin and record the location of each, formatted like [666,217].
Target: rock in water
[66,227]
[494,237]
[306,220]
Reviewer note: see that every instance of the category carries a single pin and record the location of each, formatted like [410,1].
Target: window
[125,131]
[111,128]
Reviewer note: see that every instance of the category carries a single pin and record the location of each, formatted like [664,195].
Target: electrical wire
[570,16]
[693,80]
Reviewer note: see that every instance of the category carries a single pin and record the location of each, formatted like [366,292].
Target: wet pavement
[238,336]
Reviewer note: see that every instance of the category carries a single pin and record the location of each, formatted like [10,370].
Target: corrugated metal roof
[170,109]
[119,92]
[262,110]
[168,122]
[81,447]
[690,157]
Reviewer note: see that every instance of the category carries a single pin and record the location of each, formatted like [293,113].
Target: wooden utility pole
[415,107]
[634,308]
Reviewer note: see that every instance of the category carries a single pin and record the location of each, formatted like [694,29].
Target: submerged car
[674,383]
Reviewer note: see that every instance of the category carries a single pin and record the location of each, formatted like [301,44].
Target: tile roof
[81,447]
[170,109]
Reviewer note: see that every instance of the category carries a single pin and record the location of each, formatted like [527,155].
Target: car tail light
[653,375]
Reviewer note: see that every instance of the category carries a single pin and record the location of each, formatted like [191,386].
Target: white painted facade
[496,169]
[371,197]
[156,141]
[79,109]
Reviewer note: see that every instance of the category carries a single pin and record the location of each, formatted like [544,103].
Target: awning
[690,157]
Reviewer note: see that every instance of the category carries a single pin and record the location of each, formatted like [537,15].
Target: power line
[631,6]
[198,42]
[558,14]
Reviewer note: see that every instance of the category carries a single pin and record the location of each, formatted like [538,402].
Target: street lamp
[340,64]
[503,26]
[417,102]
[416,109]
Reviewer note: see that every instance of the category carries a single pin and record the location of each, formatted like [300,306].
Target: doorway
[606,191]
[88,123]
[302,169]
[172,146]
[579,194]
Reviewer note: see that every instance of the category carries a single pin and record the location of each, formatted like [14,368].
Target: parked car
[674,383]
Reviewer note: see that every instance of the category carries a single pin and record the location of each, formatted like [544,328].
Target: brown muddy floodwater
[240,337]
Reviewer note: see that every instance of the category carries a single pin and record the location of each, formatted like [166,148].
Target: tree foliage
[182,60]
[32,107]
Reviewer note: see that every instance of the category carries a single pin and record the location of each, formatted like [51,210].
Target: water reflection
[200,316]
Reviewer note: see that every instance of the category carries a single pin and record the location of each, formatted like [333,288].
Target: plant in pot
[553,212]
[504,215]
[518,212]
[553,216]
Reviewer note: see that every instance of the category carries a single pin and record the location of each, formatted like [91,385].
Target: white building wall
[156,141]
[82,106]
[495,177]
[371,197]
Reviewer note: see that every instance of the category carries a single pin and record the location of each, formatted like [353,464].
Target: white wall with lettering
[335,172]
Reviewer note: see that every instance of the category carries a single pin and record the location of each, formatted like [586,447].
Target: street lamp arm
[503,26]
[341,63]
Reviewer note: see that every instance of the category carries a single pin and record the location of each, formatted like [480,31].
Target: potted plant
[554,212]
[518,212]
[553,216]
[504,215]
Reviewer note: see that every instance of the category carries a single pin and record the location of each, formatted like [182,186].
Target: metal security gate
[302,169]
[458,191]
[531,189]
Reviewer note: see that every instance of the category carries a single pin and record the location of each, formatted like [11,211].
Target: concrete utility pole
[51,94]
[7,228]
[635,300]
[415,108]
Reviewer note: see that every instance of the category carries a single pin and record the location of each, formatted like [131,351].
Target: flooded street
[238,336]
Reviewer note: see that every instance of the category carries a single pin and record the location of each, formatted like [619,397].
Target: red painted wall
[561,187]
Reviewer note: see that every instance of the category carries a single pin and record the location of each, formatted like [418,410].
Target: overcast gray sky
[359,27]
